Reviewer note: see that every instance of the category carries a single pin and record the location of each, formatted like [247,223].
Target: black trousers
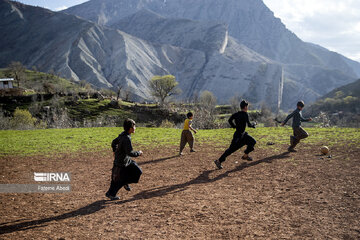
[124,175]
[239,140]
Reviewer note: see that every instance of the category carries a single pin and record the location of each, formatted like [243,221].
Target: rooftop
[6,79]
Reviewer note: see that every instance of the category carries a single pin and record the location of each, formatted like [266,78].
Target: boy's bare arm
[192,129]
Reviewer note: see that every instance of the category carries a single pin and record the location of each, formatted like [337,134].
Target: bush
[204,119]
[167,124]
[22,120]
[266,116]
[4,122]
[235,103]
[208,101]
[323,120]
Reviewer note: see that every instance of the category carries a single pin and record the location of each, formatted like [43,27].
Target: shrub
[235,103]
[22,120]
[267,117]
[208,101]
[167,124]
[4,122]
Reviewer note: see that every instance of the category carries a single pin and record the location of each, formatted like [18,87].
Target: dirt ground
[279,195]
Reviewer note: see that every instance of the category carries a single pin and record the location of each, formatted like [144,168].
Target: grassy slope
[36,80]
[51,142]
[93,108]
[345,98]
[351,89]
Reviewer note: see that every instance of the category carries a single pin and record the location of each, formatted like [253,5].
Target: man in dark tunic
[124,170]
[240,137]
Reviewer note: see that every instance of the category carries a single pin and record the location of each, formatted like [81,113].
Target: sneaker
[181,154]
[127,187]
[192,150]
[218,164]
[290,149]
[111,197]
[247,158]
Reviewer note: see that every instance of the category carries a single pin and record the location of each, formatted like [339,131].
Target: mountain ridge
[201,54]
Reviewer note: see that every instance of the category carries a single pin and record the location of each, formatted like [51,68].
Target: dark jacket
[123,150]
[297,118]
[241,119]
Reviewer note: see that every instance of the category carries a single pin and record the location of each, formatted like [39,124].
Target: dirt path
[276,196]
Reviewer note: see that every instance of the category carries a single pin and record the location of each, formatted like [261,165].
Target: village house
[6,83]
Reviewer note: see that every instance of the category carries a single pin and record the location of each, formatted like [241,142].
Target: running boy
[240,137]
[299,132]
[124,170]
[186,135]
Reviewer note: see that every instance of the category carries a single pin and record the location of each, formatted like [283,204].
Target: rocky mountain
[229,47]
[82,50]
[308,70]
[79,49]
[249,21]
[204,36]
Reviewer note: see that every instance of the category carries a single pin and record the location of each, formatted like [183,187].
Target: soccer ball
[324,150]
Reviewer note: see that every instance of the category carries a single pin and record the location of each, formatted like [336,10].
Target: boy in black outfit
[241,137]
[124,170]
[299,132]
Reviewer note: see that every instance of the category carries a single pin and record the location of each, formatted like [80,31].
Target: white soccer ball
[324,150]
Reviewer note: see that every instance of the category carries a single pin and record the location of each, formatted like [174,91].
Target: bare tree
[118,92]
[235,103]
[208,100]
[17,71]
[128,93]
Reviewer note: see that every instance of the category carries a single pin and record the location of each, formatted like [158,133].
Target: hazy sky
[333,24]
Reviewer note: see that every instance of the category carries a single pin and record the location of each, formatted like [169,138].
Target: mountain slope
[107,57]
[203,36]
[342,105]
[82,50]
[202,55]
[306,82]
[308,70]
[250,22]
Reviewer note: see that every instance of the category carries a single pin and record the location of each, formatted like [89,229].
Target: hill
[339,107]
[352,89]
[345,99]
[33,82]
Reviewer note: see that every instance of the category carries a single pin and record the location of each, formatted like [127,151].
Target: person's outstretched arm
[304,119]
[288,118]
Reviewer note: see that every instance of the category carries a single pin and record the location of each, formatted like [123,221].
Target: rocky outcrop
[204,36]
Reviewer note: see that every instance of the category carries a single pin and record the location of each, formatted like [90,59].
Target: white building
[6,83]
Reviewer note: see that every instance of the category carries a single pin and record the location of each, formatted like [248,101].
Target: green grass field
[51,142]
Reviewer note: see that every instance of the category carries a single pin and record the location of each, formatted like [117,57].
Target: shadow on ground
[94,207]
